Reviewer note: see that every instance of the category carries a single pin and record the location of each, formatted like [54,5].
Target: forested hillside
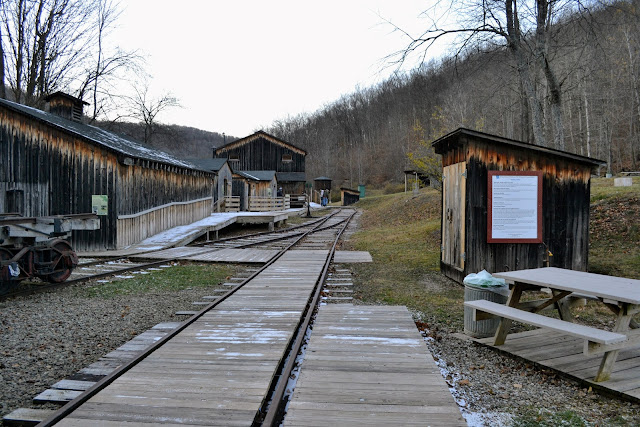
[181,141]
[367,137]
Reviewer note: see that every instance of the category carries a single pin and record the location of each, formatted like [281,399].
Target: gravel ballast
[49,336]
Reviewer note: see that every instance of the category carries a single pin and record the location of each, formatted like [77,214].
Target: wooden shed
[263,152]
[50,165]
[349,196]
[507,205]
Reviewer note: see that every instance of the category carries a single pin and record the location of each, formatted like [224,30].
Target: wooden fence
[265,204]
[137,227]
[231,204]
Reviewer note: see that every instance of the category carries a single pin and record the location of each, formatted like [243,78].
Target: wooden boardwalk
[200,254]
[217,370]
[565,354]
[368,365]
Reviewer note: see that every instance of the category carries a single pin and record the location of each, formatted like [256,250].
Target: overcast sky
[236,66]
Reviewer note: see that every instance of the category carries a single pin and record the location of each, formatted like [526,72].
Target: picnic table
[620,295]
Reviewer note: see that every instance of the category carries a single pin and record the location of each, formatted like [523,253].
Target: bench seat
[586,332]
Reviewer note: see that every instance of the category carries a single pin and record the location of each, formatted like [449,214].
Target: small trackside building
[50,165]
[263,152]
[509,205]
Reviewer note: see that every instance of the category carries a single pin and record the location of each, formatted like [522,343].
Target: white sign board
[514,214]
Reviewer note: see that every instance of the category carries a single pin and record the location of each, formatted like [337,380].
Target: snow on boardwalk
[217,370]
[184,234]
[368,365]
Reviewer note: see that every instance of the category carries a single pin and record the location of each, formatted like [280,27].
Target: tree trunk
[514,42]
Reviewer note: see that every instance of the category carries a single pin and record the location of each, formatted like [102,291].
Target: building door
[454,184]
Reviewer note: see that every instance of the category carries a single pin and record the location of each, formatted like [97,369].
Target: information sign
[514,207]
[99,204]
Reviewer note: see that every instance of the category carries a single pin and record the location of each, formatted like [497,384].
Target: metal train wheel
[65,260]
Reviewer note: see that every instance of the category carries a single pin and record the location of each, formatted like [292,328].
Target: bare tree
[525,29]
[45,42]
[104,68]
[145,108]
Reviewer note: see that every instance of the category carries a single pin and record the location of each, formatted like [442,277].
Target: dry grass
[614,232]
[402,233]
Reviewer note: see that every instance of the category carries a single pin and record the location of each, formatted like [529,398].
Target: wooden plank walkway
[244,256]
[343,257]
[185,234]
[218,369]
[368,365]
[564,353]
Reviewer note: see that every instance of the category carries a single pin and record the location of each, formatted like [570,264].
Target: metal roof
[442,145]
[291,176]
[100,137]
[208,164]
[258,175]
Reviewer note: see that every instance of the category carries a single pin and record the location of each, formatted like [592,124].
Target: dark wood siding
[59,172]
[262,154]
[565,208]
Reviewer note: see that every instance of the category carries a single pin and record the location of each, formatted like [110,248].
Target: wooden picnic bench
[620,295]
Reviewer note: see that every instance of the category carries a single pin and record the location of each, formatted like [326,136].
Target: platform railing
[232,204]
[266,204]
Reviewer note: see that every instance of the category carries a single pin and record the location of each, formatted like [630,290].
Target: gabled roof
[97,136]
[291,176]
[208,164]
[258,175]
[259,134]
[445,143]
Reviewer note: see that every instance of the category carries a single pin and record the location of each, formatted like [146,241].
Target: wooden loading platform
[564,353]
[366,366]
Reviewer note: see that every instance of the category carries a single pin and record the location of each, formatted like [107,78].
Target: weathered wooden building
[223,180]
[50,165]
[349,196]
[472,162]
[264,152]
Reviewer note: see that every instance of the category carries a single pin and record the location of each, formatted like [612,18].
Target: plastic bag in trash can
[484,280]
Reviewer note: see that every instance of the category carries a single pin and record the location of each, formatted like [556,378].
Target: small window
[286,158]
[234,158]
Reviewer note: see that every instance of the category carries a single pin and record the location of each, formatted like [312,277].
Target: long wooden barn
[51,165]
[509,205]
[263,152]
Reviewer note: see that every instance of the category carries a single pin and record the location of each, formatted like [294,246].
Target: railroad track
[323,234]
[121,267]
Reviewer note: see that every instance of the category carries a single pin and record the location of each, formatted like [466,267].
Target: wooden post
[622,325]
[505,324]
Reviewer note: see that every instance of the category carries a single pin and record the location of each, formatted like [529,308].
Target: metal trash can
[484,286]
[480,328]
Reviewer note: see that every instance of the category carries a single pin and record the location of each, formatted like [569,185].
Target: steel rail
[274,402]
[34,289]
[262,233]
[104,382]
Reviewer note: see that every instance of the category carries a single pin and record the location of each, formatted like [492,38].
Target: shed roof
[291,176]
[322,178]
[259,134]
[209,164]
[95,135]
[258,175]
[445,143]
